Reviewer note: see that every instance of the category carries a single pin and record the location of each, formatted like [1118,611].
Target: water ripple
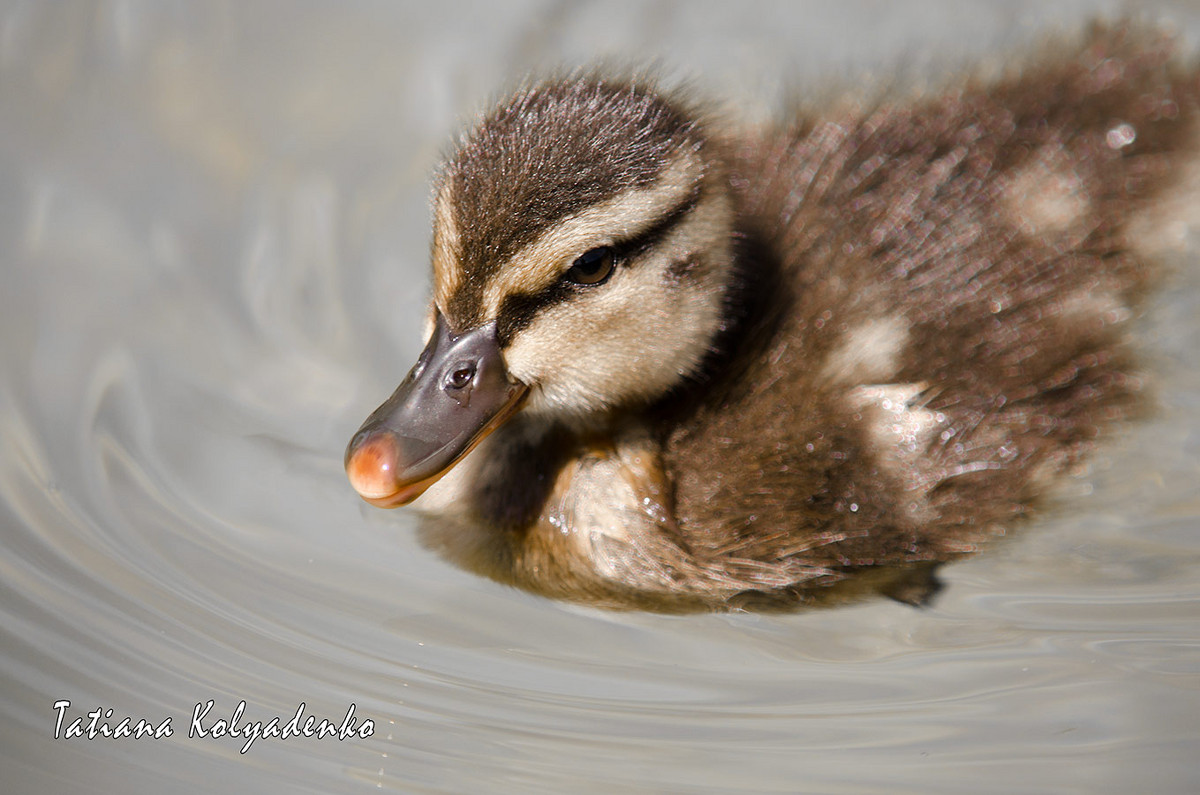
[214,233]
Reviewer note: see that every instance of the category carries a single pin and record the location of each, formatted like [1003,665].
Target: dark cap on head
[551,151]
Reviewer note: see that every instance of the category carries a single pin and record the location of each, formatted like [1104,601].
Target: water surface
[213,235]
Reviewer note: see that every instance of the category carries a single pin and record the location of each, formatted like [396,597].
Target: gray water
[213,241]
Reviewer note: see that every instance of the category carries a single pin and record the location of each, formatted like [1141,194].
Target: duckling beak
[458,392]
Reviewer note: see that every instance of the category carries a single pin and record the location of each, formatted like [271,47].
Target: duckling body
[706,371]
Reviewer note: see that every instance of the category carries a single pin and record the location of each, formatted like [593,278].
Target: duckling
[677,367]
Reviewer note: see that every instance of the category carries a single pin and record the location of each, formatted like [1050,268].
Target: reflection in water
[214,231]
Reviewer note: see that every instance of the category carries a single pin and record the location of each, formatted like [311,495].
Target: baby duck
[673,367]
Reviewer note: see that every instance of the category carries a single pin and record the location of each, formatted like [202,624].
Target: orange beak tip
[372,469]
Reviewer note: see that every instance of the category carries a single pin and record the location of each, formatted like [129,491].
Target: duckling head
[582,251]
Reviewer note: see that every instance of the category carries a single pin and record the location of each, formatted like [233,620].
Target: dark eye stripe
[654,235]
[519,310]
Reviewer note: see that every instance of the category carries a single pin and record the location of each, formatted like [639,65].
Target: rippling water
[213,233]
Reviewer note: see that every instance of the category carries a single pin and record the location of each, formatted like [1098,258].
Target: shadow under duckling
[676,368]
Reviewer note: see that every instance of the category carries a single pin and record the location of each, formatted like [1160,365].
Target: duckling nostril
[372,465]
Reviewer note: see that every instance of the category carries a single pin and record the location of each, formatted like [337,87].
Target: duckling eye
[593,267]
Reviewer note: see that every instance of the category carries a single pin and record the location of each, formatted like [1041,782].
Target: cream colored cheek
[634,341]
